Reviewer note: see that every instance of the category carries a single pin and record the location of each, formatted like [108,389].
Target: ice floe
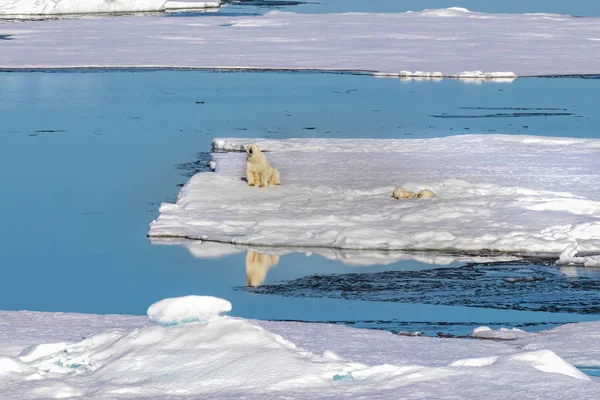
[419,45]
[234,357]
[62,7]
[24,8]
[512,194]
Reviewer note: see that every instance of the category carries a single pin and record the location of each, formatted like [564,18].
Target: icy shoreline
[93,356]
[424,45]
[499,193]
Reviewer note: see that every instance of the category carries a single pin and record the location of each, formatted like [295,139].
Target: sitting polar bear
[401,193]
[258,169]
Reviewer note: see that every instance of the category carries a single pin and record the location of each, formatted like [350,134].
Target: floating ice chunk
[485,332]
[493,76]
[420,75]
[547,361]
[181,310]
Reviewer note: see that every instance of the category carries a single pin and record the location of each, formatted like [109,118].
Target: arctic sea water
[89,156]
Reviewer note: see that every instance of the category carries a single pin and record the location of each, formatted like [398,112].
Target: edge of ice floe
[465,76]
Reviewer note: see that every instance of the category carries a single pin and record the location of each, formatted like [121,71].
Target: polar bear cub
[426,193]
[258,169]
[401,193]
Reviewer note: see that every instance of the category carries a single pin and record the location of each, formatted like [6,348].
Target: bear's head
[252,151]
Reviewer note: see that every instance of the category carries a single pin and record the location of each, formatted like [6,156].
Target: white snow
[61,7]
[425,45]
[230,358]
[512,194]
[187,309]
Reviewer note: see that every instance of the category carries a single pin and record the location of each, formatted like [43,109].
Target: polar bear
[426,193]
[274,177]
[258,169]
[401,193]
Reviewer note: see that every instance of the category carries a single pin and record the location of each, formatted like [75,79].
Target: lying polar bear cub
[258,169]
[401,193]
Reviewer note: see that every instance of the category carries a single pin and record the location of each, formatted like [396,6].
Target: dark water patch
[265,3]
[576,76]
[506,115]
[50,130]
[515,108]
[455,329]
[6,37]
[211,13]
[200,164]
[508,286]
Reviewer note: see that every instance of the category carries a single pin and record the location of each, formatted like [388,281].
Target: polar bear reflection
[257,265]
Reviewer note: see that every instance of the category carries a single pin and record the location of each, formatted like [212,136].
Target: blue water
[574,7]
[87,157]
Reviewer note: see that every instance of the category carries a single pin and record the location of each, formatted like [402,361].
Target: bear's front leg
[264,177]
[250,174]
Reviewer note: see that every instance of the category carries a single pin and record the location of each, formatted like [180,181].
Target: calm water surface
[89,156]
[256,7]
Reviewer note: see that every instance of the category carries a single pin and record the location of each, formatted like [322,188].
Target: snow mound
[229,358]
[181,310]
[444,12]
[59,7]
[495,192]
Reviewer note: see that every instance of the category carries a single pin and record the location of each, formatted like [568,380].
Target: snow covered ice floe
[419,45]
[230,357]
[512,194]
[63,7]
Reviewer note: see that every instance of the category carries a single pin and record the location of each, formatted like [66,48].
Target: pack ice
[427,44]
[226,358]
[512,194]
